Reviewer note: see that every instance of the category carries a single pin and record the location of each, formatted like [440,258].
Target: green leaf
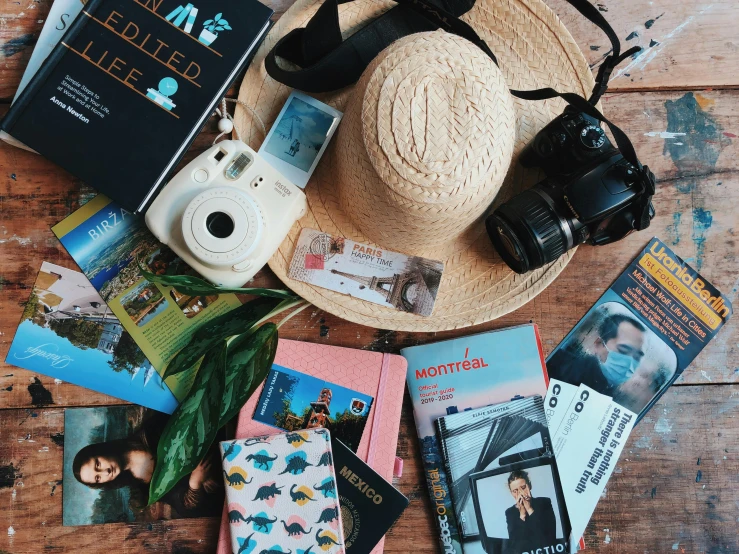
[227,26]
[248,362]
[192,428]
[235,322]
[208,22]
[194,286]
[218,16]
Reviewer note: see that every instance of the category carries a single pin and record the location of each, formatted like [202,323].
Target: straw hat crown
[426,141]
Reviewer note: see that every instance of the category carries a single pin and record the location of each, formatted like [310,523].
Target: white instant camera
[226,213]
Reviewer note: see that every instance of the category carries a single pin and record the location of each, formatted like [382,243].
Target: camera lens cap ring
[234,240]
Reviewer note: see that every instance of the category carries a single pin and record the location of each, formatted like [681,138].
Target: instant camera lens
[220,225]
[527,232]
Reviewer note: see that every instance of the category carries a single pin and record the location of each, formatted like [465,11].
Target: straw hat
[429,140]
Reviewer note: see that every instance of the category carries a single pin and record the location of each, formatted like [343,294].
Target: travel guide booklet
[109,457]
[643,332]
[130,85]
[106,241]
[291,401]
[486,438]
[68,332]
[470,372]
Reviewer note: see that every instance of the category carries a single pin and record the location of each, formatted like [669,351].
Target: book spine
[191,20]
[47,66]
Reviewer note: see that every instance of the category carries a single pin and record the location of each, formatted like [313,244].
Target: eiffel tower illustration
[401,290]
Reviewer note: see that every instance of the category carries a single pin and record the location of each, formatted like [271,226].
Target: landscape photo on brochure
[68,332]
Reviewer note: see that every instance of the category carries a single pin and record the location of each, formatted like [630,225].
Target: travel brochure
[68,332]
[109,243]
[292,401]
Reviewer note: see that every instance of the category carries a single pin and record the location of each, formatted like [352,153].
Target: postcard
[109,459]
[292,400]
[106,241]
[405,283]
[69,333]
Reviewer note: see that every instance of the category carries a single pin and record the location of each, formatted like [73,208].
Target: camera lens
[220,225]
[527,232]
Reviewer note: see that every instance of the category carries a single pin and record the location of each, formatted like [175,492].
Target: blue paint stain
[702,221]
[15,45]
[653,43]
[632,36]
[673,230]
[701,136]
[686,187]
[698,476]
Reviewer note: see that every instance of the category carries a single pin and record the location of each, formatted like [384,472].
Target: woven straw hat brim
[534,50]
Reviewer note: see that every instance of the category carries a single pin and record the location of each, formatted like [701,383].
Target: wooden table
[676,486]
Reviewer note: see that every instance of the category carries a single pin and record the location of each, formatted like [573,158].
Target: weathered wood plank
[656,498]
[680,40]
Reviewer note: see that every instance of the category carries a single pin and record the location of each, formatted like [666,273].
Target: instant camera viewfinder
[226,213]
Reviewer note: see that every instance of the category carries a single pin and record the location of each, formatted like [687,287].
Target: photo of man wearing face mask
[609,361]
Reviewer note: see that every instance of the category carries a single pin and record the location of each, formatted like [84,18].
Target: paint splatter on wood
[702,221]
[8,475]
[15,45]
[632,36]
[58,439]
[40,395]
[698,476]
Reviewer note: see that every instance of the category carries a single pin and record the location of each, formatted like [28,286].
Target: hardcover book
[471,372]
[68,332]
[129,86]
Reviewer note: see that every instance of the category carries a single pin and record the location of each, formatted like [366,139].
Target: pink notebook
[381,376]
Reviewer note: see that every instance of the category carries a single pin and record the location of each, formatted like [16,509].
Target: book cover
[483,439]
[463,374]
[69,333]
[281,494]
[110,454]
[643,332]
[292,401]
[369,504]
[374,374]
[108,242]
[520,508]
[129,86]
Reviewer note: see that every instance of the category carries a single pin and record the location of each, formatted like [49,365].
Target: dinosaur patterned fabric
[281,494]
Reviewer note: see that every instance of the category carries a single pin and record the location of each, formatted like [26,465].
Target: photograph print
[69,333]
[520,508]
[613,352]
[299,136]
[109,460]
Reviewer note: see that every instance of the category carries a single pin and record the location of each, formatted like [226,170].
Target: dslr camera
[226,213]
[591,194]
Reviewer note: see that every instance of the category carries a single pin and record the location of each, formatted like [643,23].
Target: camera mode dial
[222,226]
[592,136]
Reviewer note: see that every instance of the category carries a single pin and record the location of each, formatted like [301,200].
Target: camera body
[226,213]
[591,194]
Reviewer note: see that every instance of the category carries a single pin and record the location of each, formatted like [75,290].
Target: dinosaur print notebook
[281,494]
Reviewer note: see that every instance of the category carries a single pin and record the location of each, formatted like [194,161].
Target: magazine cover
[106,241]
[471,372]
[109,459]
[520,508]
[643,332]
[69,333]
[478,440]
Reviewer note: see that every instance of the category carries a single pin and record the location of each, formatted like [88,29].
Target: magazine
[470,372]
[643,332]
[486,438]
[69,333]
[108,243]
[109,458]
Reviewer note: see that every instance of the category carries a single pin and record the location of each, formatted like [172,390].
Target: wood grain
[657,501]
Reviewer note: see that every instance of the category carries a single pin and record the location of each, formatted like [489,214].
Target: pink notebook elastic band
[376,420]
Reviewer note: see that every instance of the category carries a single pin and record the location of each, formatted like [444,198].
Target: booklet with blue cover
[68,332]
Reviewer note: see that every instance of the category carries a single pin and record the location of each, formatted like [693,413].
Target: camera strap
[326,62]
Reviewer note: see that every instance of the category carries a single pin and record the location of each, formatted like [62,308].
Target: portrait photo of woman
[109,466]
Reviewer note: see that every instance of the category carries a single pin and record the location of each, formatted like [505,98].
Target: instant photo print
[299,137]
[520,508]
